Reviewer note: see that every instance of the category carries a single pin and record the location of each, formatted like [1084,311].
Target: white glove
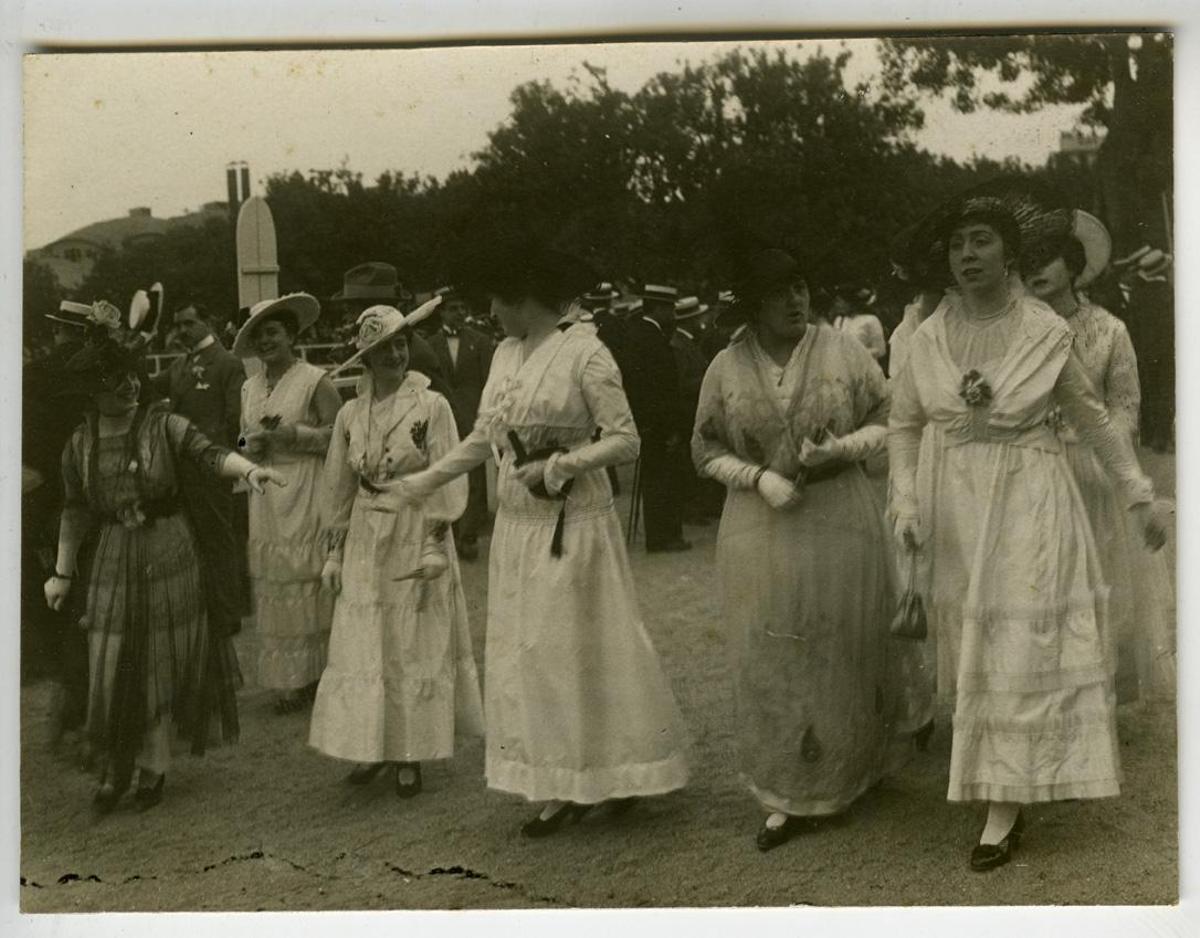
[416,487]
[57,589]
[433,565]
[260,476]
[909,535]
[778,492]
[1152,518]
[331,576]
[817,454]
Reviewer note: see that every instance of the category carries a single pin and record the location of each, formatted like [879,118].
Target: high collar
[655,323]
[206,342]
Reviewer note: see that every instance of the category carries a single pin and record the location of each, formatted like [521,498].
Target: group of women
[1015,498]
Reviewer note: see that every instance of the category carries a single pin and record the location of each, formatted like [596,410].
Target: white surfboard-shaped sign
[257,259]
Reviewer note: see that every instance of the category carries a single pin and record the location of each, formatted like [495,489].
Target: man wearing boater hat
[651,380]
[48,419]
[692,362]
[375,282]
[464,355]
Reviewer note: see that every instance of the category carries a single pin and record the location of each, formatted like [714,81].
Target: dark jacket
[651,379]
[466,377]
[206,387]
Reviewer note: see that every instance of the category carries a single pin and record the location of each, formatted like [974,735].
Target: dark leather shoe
[147,797]
[408,789]
[543,827]
[364,773]
[771,837]
[986,857]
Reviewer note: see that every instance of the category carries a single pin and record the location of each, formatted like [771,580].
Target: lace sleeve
[1122,392]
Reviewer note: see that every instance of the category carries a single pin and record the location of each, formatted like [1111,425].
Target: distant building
[72,257]
[1082,149]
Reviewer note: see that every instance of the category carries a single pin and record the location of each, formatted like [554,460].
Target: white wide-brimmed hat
[72,314]
[689,307]
[1090,232]
[377,324]
[304,307]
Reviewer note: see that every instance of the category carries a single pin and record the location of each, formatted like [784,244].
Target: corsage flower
[975,390]
[495,418]
[419,431]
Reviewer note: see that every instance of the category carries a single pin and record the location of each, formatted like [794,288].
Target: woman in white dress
[578,708]
[1015,588]
[1140,613]
[401,680]
[288,409]
[788,415]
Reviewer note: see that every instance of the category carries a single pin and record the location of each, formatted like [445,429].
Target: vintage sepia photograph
[649,473]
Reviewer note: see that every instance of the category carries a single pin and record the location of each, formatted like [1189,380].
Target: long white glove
[853,447]
[778,492]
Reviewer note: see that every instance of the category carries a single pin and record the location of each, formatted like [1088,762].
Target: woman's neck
[538,329]
[780,348]
[114,424]
[1066,304]
[386,385]
[986,303]
[275,369]
[927,304]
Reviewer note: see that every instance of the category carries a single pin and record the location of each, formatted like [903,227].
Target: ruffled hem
[587,786]
[771,801]
[1031,794]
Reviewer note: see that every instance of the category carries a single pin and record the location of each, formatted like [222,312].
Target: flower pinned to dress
[420,433]
[131,515]
[496,416]
[1055,420]
[975,390]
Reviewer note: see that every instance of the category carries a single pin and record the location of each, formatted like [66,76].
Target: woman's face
[978,259]
[120,394]
[1051,281]
[272,341]
[389,360]
[784,312]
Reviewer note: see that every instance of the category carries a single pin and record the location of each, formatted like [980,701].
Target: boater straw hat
[304,307]
[72,314]
[689,308]
[377,324]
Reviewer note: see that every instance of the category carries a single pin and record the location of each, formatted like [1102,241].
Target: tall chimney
[245,181]
[231,187]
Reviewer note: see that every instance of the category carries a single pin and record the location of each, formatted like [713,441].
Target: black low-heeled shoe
[408,789]
[543,827]
[986,857]
[922,736]
[364,773]
[769,838]
[146,797]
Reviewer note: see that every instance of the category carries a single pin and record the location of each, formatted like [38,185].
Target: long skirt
[1020,609]
[151,654]
[401,682]
[1141,621]
[578,707]
[822,691]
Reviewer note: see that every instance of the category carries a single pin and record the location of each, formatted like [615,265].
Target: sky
[107,132]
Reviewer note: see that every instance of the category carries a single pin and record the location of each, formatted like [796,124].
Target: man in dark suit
[373,283]
[464,355]
[692,360]
[651,380]
[205,385]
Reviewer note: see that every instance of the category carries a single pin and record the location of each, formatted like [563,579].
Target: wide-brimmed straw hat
[1090,232]
[377,324]
[303,306]
[72,314]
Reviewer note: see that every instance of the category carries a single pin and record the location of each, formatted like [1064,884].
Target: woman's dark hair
[986,211]
[548,275]
[285,317]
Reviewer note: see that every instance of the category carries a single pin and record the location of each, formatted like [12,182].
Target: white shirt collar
[203,343]
[654,322]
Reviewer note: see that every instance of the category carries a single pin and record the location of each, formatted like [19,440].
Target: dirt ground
[270,824]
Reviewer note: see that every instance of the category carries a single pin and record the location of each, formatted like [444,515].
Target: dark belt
[152,510]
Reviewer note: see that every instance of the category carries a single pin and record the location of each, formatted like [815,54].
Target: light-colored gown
[578,708]
[1141,598]
[826,699]
[291,612]
[401,681]
[1015,584]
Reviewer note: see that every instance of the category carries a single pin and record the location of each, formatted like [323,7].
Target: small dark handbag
[520,458]
[909,621]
